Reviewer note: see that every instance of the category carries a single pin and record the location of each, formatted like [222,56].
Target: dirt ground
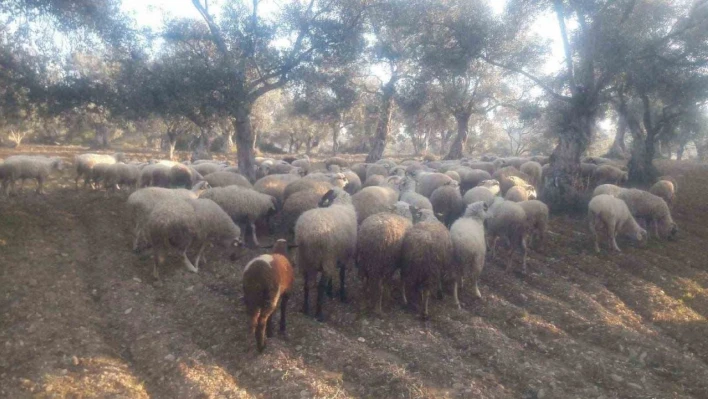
[80,317]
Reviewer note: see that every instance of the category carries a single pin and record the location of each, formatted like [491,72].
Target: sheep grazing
[155,175]
[214,226]
[379,251]
[274,185]
[207,167]
[447,202]
[120,174]
[520,193]
[84,164]
[224,179]
[469,246]
[587,170]
[341,162]
[183,176]
[470,177]
[297,204]
[534,170]
[376,169]
[372,200]
[609,174]
[326,240]
[360,170]
[267,280]
[303,163]
[243,205]
[316,185]
[509,177]
[609,189]
[612,214]
[488,167]
[479,193]
[426,258]
[428,182]
[374,180]
[507,219]
[536,220]
[454,175]
[409,194]
[22,167]
[172,223]
[652,209]
[666,190]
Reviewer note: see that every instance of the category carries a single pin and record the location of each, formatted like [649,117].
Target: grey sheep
[409,194]
[507,219]
[22,167]
[326,240]
[155,175]
[428,182]
[223,179]
[84,164]
[243,205]
[120,174]
[341,162]
[609,189]
[375,180]
[376,169]
[509,177]
[353,182]
[479,193]
[360,170]
[492,185]
[372,200]
[652,209]
[534,170]
[274,185]
[469,246]
[171,223]
[316,186]
[447,203]
[207,167]
[299,203]
[536,221]
[470,177]
[612,215]
[666,190]
[184,176]
[379,245]
[609,174]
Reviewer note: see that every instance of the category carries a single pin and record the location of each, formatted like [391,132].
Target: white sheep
[609,189]
[479,193]
[507,219]
[428,182]
[120,174]
[409,194]
[243,205]
[274,185]
[326,240]
[223,179]
[84,164]
[172,223]
[21,167]
[214,227]
[372,200]
[612,215]
[652,209]
[536,220]
[468,245]
[609,174]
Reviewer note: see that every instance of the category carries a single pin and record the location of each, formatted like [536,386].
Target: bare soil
[80,317]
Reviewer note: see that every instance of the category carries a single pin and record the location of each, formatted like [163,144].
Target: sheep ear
[485,206]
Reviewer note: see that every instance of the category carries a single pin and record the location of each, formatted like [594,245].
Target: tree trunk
[335,138]
[228,142]
[245,142]
[383,125]
[103,139]
[641,166]
[680,150]
[308,145]
[171,143]
[619,148]
[463,119]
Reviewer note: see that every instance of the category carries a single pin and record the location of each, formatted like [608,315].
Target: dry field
[81,318]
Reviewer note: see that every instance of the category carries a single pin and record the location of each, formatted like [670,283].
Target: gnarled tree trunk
[619,148]
[383,125]
[228,142]
[245,142]
[463,119]
[103,137]
[641,165]
[335,138]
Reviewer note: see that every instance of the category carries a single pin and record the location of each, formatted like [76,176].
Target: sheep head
[327,199]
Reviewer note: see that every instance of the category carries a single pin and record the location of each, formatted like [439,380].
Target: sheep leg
[476,271]
[261,330]
[594,233]
[612,233]
[379,299]
[283,309]
[494,247]
[321,287]
[186,261]
[199,255]
[524,249]
[403,292]
[253,234]
[330,288]
[306,294]
[342,278]
[269,327]
[655,223]
[454,294]
[40,185]
[159,257]
[425,295]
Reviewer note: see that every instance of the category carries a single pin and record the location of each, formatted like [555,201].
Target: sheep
[534,170]
[98,175]
[488,167]
[492,185]
[470,177]
[507,219]
[652,209]
[454,175]
[183,176]
[509,177]
[341,162]
[478,193]
[398,171]
[587,170]
[223,179]
[243,205]
[353,182]
[120,174]
[541,159]
[326,239]
[171,223]
[207,168]
[360,170]
[536,220]
[213,226]
[609,174]
[387,163]
[155,175]
[666,190]
[29,167]
[609,189]
[403,209]
[299,203]
[409,194]
[520,193]
[376,169]
[447,202]
[303,163]
[274,185]
[515,161]
[372,200]
[84,163]
[315,186]
[671,179]
[267,280]
[613,215]
[428,182]
[469,246]
[426,258]
[141,202]
[379,244]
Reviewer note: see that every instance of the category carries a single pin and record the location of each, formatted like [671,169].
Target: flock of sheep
[431,221]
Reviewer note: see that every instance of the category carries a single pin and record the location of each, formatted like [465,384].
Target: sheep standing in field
[372,200]
[207,167]
[302,163]
[428,182]
[267,280]
[171,223]
[155,175]
[409,194]
[534,170]
[666,190]
[84,164]
[536,220]
[609,174]
[316,185]
[245,206]
[426,259]
[224,179]
[507,219]
[609,189]
[479,193]
[469,246]
[612,215]
[341,162]
[376,169]
[326,238]
[652,209]
[21,167]
[297,204]
[509,177]
[492,185]
[379,244]
[214,226]
[470,177]
[184,176]
[447,202]
[274,185]
[520,193]
[120,174]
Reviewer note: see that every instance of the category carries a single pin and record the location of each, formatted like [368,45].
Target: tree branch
[560,14]
[530,77]
[213,28]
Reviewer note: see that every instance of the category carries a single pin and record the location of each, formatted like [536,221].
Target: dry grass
[80,318]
